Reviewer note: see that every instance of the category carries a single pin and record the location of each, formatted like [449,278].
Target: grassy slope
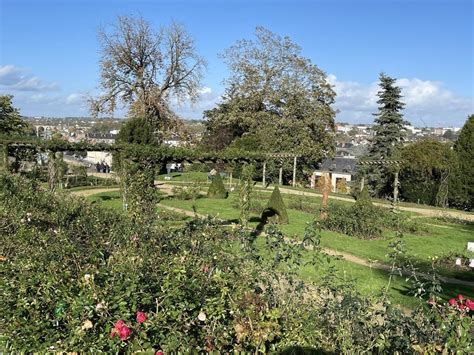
[368,281]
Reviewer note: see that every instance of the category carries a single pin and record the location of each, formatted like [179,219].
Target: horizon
[433,63]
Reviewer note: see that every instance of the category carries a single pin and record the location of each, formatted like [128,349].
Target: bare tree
[143,69]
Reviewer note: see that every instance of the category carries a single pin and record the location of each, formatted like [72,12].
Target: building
[107,138]
[341,171]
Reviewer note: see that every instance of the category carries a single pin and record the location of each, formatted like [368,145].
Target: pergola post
[280,176]
[294,171]
[395,189]
[264,173]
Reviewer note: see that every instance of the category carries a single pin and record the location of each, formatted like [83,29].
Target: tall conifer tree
[389,133]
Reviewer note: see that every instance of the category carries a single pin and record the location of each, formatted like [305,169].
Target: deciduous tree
[143,70]
[277,96]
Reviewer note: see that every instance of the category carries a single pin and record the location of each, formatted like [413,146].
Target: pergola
[280,173]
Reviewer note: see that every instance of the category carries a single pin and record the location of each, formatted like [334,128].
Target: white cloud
[14,78]
[427,102]
[207,100]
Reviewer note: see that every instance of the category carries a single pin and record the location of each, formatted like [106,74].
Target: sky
[49,52]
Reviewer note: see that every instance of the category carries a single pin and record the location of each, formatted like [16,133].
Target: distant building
[339,168]
[107,138]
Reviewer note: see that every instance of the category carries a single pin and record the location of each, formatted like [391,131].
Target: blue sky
[49,50]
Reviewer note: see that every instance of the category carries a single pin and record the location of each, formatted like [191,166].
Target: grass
[368,281]
[193,176]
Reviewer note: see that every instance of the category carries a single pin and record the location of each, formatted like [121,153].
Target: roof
[338,164]
[101,135]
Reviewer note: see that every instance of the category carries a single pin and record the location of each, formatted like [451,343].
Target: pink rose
[470,304]
[460,297]
[159,352]
[141,317]
[124,332]
[452,302]
[119,324]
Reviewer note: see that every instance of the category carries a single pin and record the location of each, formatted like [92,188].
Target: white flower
[86,325]
[87,278]
[100,306]
[202,316]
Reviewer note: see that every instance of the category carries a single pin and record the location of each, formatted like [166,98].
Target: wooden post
[395,189]
[294,172]
[326,188]
[362,183]
[280,176]
[264,172]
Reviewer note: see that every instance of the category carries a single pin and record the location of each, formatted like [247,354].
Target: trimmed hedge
[275,208]
[217,188]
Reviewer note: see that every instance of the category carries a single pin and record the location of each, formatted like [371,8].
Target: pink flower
[470,304]
[460,297]
[159,352]
[452,302]
[119,324]
[124,332]
[141,317]
[461,306]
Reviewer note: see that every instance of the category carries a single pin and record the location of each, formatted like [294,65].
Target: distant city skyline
[49,51]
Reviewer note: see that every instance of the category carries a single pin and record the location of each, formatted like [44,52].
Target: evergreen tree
[462,182]
[10,119]
[217,188]
[389,134]
[276,208]
[136,130]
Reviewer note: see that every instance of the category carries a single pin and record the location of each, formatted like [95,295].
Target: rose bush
[77,277]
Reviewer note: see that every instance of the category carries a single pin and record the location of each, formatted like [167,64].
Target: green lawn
[369,281]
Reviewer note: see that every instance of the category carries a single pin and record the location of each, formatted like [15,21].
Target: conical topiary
[275,208]
[217,188]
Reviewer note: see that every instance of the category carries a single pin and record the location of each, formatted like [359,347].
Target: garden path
[346,256]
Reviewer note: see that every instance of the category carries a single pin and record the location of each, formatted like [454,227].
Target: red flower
[124,332]
[470,304]
[452,302]
[119,324]
[461,306]
[159,352]
[460,297]
[141,317]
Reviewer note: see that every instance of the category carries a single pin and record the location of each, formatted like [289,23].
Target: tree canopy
[462,192]
[426,170]
[275,98]
[143,69]
[10,119]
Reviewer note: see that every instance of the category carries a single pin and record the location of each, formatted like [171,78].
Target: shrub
[217,188]
[190,192]
[366,221]
[298,203]
[275,209]
[79,278]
